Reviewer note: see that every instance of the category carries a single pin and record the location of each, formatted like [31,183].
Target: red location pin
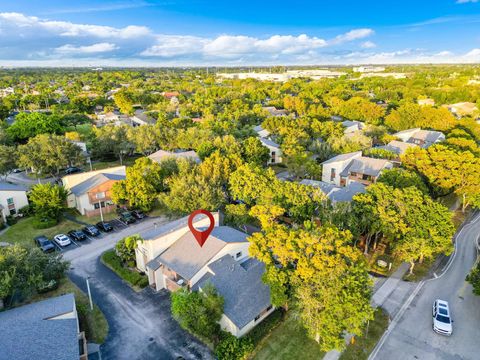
[201,236]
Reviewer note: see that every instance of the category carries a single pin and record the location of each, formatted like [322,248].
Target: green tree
[254,152]
[8,159]
[47,154]
[112,140]
[319,269]
[28,125]
[48,200]
[401,178]
[125,248]
[198,312]
[474,279]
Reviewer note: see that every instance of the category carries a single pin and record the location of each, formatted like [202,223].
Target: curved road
[410,335]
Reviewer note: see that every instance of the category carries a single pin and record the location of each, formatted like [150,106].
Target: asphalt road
[410,335]
[140,324]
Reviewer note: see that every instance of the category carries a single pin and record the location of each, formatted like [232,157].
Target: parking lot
[116,224]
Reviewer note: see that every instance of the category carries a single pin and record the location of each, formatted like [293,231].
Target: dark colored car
[104,226]
[126,218]
[91,230]
[138,214]
[16,171]
[77,235]
[44,244]
[72,170]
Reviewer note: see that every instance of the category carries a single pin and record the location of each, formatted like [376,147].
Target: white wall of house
[275,154]
[227,324]
[336,167]
[17,198]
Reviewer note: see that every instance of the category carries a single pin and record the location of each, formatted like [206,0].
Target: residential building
[141,118]
[90,192]
[44,330]
[368,69]
[263,133]
[275,151]
[335,193]
[397,147]
[7,91]
[273,111]
[161,155]
[12,198]
[173,259]
[352,126]
[344,169]
[382,74]
[313,74]
[463,108]
[170,94]
[246,298]
[423,138]
[426,102]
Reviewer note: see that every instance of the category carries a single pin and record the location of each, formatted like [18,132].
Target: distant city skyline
[237,33]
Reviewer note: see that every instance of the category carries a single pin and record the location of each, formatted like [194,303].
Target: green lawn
[93,322]
[99,165]
[288,341]
[23,232]
[93,219]
[363,346]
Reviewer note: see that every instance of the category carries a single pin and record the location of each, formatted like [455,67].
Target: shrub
[231,348]
[47,286]
[27,210]
[11,220]
[115,263]
[43,223]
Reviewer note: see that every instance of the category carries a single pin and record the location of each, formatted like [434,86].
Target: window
[237,255]
[353,174]
[263,313]
[332,174]
[100,195]
[10,201]
[365,177]
[96,206]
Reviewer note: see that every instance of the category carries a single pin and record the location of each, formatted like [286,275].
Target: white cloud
[352,35]
[172,45]
[466,1]
[88,49]
[368,45]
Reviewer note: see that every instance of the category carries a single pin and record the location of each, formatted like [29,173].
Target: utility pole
[89,293]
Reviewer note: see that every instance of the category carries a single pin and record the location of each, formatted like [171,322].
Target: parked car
[91,230]
[442,321]
[104,226]
[126,218]
[16,171]
[44,244]
[72,170]
[77,235]
[138,214]
[62,240]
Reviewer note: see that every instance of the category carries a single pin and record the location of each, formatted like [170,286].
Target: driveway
[410,335]
[141,326]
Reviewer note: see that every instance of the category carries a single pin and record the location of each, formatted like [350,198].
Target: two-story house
[275,151]
[422,138]
[12,198]
[173,259]
[344,169]
[90,192]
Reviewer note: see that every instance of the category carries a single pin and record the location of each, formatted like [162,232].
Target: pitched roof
[32,332]
[337,193]
[241,286]
[261,131]
[186,257]
[161,155]
[94,181]
[4,186]
[430,136]
[343,157]
[398,147]
[268,142]
[367,166]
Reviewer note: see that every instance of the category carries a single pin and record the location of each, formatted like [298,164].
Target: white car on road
[442,321]
[62,240]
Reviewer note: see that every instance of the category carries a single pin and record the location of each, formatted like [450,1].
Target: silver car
[62,240]
[442,320]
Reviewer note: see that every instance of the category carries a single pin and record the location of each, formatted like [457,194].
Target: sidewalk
[389,295]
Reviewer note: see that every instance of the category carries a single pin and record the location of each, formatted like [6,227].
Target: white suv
[442,321]
[62,240]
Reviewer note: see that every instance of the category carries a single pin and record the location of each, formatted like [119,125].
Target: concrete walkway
[389,295]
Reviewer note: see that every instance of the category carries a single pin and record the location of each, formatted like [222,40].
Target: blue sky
[230,33]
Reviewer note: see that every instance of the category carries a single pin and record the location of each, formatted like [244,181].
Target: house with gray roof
[246,297]
[44,330]
[422,138]
[275,151]
[90,192]
[12,198]
[352,126]
[397,147]
[344,169]
[161,155]
[335,193]
[262,133]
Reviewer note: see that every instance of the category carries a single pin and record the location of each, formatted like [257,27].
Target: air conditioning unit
[181,282]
